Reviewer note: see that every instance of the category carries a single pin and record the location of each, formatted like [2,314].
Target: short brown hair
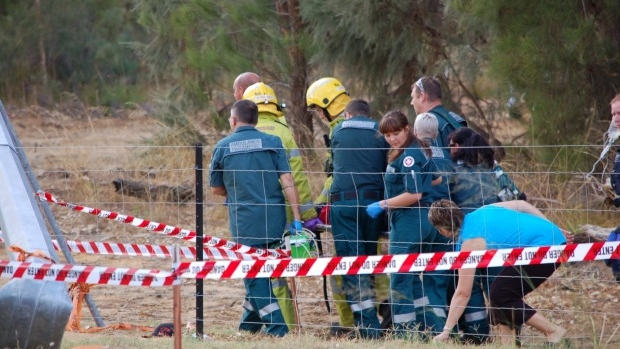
[616,99]
[358,107]
[245,111]
[430,86]
[444,214]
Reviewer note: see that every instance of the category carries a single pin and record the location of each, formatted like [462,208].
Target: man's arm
[219,191]
[291,194]
[521,206]
[526,207]
[401,200]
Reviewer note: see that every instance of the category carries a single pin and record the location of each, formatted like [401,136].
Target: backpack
[507,188]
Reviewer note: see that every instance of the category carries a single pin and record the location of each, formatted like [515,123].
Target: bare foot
[556,335]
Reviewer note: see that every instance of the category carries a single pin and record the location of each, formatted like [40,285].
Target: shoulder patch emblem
[408,161]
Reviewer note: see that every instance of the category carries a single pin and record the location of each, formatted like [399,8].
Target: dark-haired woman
[473,185]
[416,305]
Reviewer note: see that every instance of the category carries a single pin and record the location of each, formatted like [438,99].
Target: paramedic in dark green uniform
[359,155]
[425,128]
[408,184]
[257,215]
[426,98]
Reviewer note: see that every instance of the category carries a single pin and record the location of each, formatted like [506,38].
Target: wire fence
[157,183]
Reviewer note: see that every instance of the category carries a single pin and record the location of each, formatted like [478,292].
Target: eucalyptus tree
[381,47]
[81,47]
[200,46]
[560,58]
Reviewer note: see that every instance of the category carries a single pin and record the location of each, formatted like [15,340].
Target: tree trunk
[299,118]
[40,30]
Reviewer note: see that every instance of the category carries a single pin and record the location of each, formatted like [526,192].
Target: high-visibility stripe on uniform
[402,318]
[305,207]
[268,309]
[278,282]
[476,316]
[424,301]
[294,153]
[440,312]
[421,302]
[363,305]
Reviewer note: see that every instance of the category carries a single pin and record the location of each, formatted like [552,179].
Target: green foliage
[173,111]
[561,56]
[557,62]
[201,45]
[380,46]
[84,44]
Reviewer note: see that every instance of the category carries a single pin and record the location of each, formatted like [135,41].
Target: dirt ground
[76,158]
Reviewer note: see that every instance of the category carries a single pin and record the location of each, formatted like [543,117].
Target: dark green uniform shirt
[443,164]
[359,153]
[248,163]
[448,122]
[411,172]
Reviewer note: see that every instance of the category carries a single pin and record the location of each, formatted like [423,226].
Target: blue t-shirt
[501,228]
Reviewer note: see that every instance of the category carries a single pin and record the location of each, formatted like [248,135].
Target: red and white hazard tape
[119,249]
[385,264]
[85,274]
[168,230]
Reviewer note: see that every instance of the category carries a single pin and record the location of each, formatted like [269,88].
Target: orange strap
[77,292]
[23,255]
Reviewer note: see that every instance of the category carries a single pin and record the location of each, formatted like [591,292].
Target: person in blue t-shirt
[510,224]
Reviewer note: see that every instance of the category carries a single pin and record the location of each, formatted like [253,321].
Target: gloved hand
[374,209]
[617,202]
[311,224]
[295,227]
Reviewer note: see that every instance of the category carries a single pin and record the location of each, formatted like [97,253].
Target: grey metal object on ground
[34,313]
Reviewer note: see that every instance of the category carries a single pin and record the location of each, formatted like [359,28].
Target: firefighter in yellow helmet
[269,121]
[245,80]
[327,99]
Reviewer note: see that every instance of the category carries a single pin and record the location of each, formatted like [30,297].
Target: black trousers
[509,288]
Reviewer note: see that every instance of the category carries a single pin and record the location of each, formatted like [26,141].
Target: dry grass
[76,157]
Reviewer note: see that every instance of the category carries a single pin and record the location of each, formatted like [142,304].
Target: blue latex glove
[295,227]
[311,224]
[374,209]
